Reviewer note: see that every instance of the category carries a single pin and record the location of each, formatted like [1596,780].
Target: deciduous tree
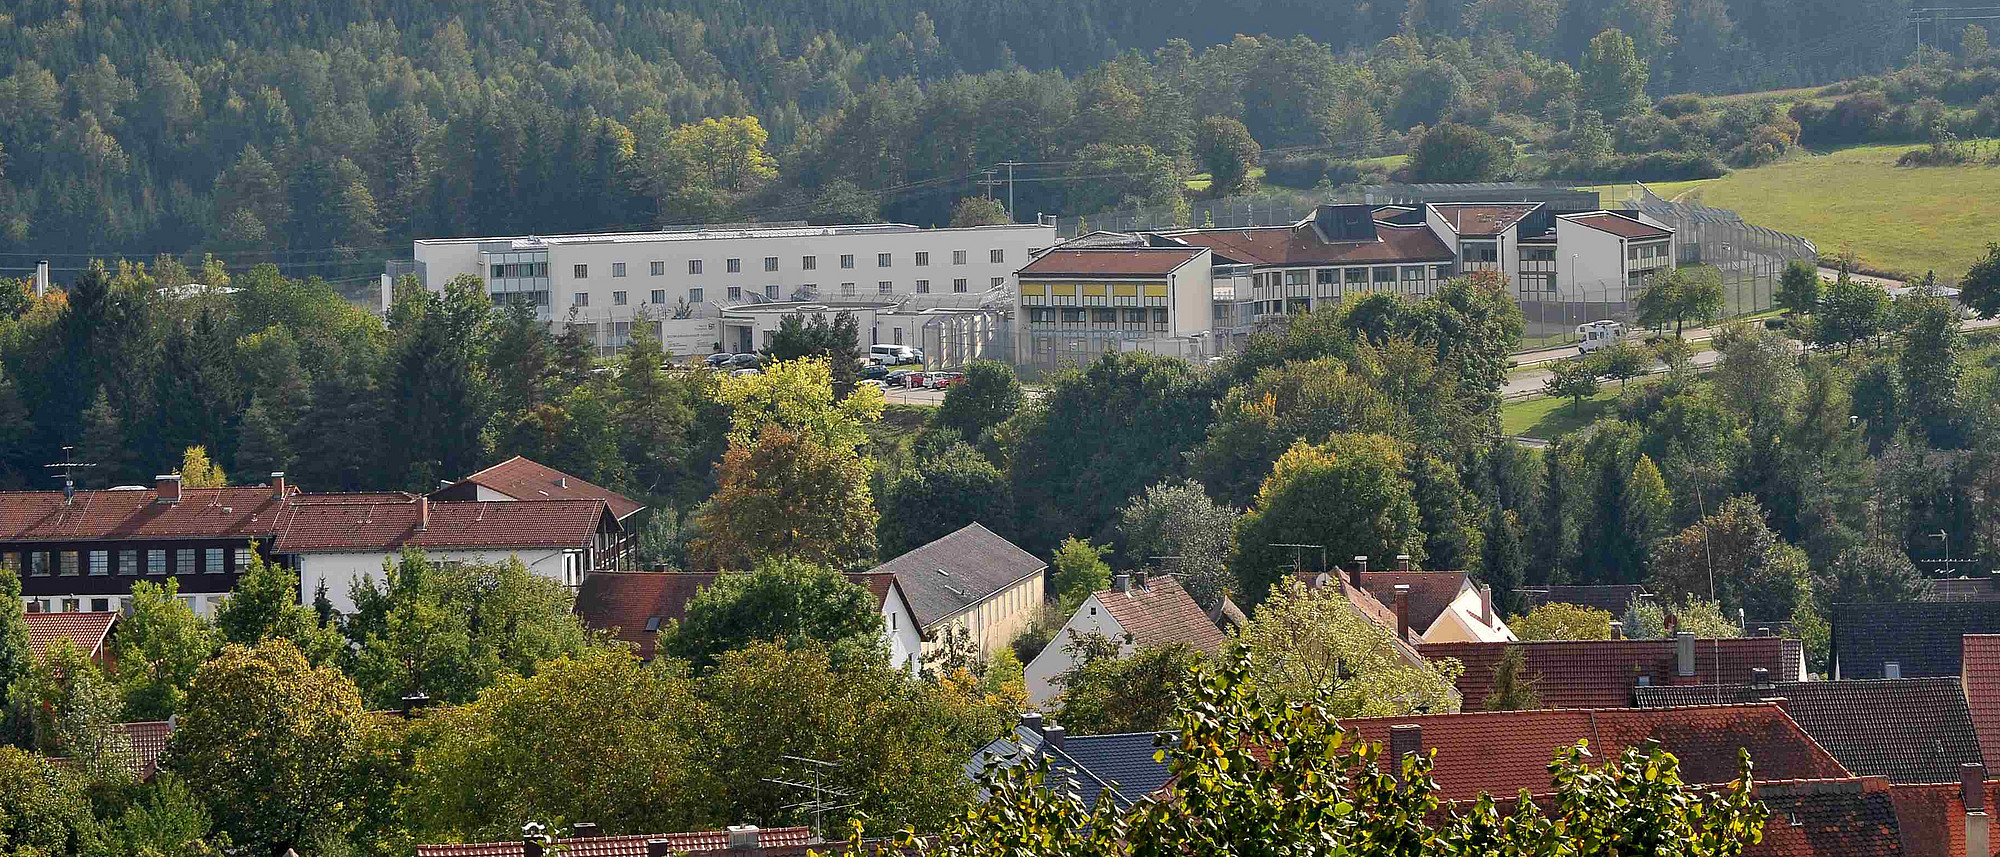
[940,494]
[159,649]
[1077,570]
[1349,495]
[1189,534]
[1315,647]
[781,599]
[787,494]
[1224,149]
[1557,621]
[1136,693]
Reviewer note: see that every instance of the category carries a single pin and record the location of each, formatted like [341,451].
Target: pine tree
[261,445]
[1647,509]
[103,443]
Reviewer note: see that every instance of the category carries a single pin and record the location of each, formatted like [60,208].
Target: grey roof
[1912,730]
[1921,637]
[1122,764]
[958,571]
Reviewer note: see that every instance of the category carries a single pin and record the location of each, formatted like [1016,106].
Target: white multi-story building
[607,282]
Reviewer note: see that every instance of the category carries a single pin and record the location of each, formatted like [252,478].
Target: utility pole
[988,182]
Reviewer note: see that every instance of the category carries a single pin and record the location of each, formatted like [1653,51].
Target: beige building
[971,582]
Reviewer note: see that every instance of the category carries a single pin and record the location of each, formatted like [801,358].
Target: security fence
[1750,258]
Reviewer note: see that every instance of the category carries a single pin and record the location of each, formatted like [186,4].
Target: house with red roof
[1607,673]
[736,841]
[1136,613]
[637,606]
[88,632]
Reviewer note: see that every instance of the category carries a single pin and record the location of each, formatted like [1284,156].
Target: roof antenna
[67,474]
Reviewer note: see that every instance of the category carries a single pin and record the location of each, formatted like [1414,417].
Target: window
[884,287]
[847,260]
[11,562]
[72,605]
[735,266]
[1385,275]
[847,290]
[771,291]
[735,293]
[958,257]
[242,558]
[184,561]
[618,298]
[923,259]
[694,295]
[659,296]
[694,266]
[581,272]
[657,269]
[100,563]
[1892,669]
[996,256]
[100,605]
[770,263]
[998,282]
[617,269]
[923,287]
[958,285]
[213,564]
[881,260]
[898,337]
[808,263]
[68,562]
[156,562]
[652,624]
[1160,319]
[579,299]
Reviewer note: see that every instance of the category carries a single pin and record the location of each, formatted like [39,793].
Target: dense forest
[322,135]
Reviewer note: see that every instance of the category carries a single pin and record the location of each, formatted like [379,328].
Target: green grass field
[1892,218]
[1548,418]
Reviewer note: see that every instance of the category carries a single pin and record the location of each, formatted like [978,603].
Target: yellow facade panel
[1156,290]
[1063,289]
[1125,290]
[1093,289]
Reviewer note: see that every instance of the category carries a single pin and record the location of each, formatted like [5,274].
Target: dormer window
[652,624]
[1892,669]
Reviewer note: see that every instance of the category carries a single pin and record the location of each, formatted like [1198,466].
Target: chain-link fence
[1750,258]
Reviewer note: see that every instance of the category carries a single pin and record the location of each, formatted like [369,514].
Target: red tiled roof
[1931,818]
[1503,752]
[1162,613]
[1300,245]
[1430,592]
[1602,673]
[202,513]
[1619,225]
[1124,262]
[785,840]
[1980,674]
[87,630]
[148,739]
[1484,219]
[622,602]
[392,526]
[523,479]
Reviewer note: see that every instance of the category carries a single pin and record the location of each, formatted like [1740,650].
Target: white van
[1598,334]
[893,355]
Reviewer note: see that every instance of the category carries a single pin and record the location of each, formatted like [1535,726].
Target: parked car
[875,373]
[749,370]
[720,358]
[941,380]
[894,355]
[898,378]
[870,382]
[746,361]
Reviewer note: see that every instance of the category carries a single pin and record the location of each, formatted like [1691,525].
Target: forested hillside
[281,130]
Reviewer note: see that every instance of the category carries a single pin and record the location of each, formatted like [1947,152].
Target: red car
[941,380]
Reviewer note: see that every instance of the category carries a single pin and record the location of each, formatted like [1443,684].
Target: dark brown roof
[523,479]
[772,841]
[1500,753]
[392,526]
[1610,598]
[1131,262]
[1603,673]
[201,513]
[1620,225]
[1853,817]
[1912,730]
[957,571]
[624,603]
[1476,219]
[1980,676]
[1430,592]
[1921,637]
[1160,614]
[1289,245]
[87,630]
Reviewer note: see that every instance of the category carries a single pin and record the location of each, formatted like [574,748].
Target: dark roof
[1430,592]
[771,841]
[1160,614]
[1913,730]
[1610,598]
[392,526]
[1620,225]
[201,513]
[1093,763]
[1122,262]
[523,479]
[1603,673]
[1300,245]
[87,630]
[1980,676]
[1484,218]
[1853,817]
[1922,637]
[1502,752]
[957,571]
[626,603]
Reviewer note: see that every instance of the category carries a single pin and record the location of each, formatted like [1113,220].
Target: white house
[972,582]
[1135,613]
[636,606]
[1433,606]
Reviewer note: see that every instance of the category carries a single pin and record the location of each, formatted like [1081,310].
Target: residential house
[89,632]
[1606,673]
[1090,767]
[1979,675]
[1912,730]
[1434,606]
[736,841]
[635,606]
[971,584]
[1905,640]
[1137,612]
[146,741]
[333,544]
[519,478]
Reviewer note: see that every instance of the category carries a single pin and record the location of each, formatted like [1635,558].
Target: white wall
[1191,296]
[340,570]
[1599,262]
[900,626]
[1460,622]
[1054,660]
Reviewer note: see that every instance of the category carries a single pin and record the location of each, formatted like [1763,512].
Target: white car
[872,382]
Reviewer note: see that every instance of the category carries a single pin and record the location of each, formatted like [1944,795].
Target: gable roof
[1980,677]
[201,513]
[1431,592]
[1160,612]
[1922,637]
[957,571]
[1122,763]
[1913,730]
[1620,225]
[625,602]
[1853,817]
[1110,262]
[1603,673]
[392,526]
[1610,598]
[1295,245]
[1478,219]
[1377,613]
[1502,752]
[88,631]
[523,479]
[775,840]
[148,739]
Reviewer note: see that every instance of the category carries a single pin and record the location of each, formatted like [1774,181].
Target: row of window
[697,294]
[1106,319]
[1636,252]
[105,563]
[201,605]
[735,266]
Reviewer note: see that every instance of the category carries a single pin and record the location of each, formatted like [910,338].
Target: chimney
[1402,562]
[1139,581]
[1402,611]
[583,830]
[1684,647]
[742,837]
[69,490]
[278,483]
[1360,567]
[1032,721]
[660,848]
[1486,605]
[1121,583]
[1617,630]
[41,278]
[1404,739]
[1978,824]
[168,487]
[423,513]
[562,482]
[1760,678]
[416,702]
[534,839]
[1052,737]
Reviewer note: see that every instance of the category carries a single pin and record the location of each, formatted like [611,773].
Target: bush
[1309,170]
[1676,106]
[1663,166]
